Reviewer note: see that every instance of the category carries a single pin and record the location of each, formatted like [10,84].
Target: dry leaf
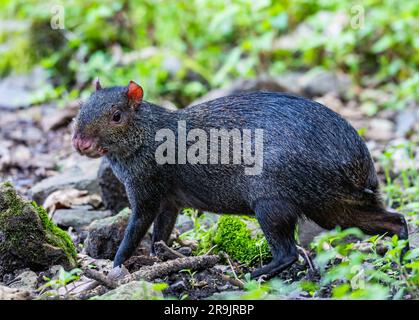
[66,198]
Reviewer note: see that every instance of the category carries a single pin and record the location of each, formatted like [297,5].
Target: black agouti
[304,161]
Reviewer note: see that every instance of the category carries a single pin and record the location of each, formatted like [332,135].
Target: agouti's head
[105,121]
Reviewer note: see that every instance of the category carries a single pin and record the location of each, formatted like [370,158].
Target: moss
[235,238]
[55,235]
[31,239]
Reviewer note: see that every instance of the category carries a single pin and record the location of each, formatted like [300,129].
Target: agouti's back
[312,152]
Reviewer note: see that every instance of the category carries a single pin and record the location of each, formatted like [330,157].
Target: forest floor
[35,144]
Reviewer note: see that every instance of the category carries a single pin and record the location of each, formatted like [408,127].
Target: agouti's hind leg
[164,223]
[277,220]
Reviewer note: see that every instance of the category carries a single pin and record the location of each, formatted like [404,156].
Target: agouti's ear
[135,94]
[97,84]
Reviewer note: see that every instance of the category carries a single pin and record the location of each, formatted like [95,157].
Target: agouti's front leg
[144,212]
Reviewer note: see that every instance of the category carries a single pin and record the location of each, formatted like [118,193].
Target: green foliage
[61,281]
[233,237]
[201,232]
[357,271]
[182,49]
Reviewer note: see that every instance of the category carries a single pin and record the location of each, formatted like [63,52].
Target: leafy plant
[60,281]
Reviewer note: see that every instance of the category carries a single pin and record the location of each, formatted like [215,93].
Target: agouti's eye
[116,117]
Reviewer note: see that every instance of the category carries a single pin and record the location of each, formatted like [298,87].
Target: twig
[165,252]
[92,284]
[101,278]
[158,270]
[307,258]
[232,269]
[233,281]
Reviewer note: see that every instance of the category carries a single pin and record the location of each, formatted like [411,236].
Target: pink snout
[88,146]
[82,145]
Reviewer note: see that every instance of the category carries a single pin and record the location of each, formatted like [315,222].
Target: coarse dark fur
[315,165]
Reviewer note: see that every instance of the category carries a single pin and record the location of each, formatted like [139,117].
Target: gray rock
[186,251]
[105,235]
[307,231]
[210,219]
[56,118]
[406,120]
[135,290]
[17,91]
[112,190]
[380,130]
[323,82]
[27,280]
[7,293]
[118,273]
[82,177]
[184,223]
[78,217]
[178,286]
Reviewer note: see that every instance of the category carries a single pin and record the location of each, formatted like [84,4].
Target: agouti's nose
[81,145]
[84,145]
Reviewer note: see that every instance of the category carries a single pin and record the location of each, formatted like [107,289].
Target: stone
[82,176]
[7,293]
[105,235]
[112,190]
[27,280]
[118,273]
[134,290]
[380,130]
[307,231]
[28,239]
[179,286]
[78,217]
[186,251]
[406,120]
[17,91]
[60,117]
[184,223]
[319,83]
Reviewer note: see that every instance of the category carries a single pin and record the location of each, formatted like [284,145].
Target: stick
[307,258]
[150,273]
[165,252]
[234,272]
[234,282]
[101,278]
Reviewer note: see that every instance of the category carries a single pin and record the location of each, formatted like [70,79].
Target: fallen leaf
[66,198]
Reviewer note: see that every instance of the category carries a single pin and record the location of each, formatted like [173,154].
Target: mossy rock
[241,240]
[28,238]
